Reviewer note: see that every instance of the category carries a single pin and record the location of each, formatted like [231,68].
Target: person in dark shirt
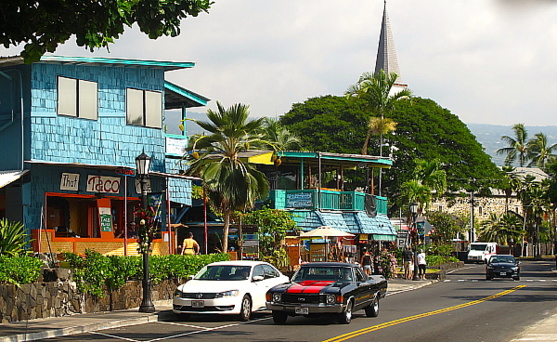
[366,262]
[408,262]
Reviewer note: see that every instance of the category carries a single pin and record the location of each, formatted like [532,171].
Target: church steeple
[386,53]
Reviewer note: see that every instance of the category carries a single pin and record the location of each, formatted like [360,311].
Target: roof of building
[135,63]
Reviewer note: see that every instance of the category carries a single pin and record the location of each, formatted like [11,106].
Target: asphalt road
[465,307]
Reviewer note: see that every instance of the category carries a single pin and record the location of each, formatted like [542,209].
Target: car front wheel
[245,308]
[346,316]
[279,317]
[373,309]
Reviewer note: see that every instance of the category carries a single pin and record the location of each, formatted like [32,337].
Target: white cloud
[488,61]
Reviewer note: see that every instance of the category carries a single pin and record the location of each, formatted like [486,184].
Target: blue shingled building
[70,130]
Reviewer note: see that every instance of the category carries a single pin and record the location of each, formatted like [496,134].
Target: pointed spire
[386,53]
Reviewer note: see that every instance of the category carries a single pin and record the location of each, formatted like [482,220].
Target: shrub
[94,271]
[19,269]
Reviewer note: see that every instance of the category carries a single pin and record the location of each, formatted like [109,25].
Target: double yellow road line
[415,317]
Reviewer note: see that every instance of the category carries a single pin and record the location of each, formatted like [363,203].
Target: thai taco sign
[96,183]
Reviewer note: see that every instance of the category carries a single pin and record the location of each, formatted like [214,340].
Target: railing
[326,199]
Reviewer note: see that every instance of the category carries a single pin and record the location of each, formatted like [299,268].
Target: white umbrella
[325,231]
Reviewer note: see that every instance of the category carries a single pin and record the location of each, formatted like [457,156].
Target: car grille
[198,295]
[302,299]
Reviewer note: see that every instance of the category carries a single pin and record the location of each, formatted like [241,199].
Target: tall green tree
[425,130]
[42,25]
[539,151]
[517,146]
[230,183]
[376,92]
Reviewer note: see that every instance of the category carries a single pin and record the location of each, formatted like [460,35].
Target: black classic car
[327,288]
[502,266]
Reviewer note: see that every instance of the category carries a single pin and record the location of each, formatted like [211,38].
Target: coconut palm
[539,152]
[231,184]
[430,174]
[375,90]
[278,137]
[517,148]
[501,228]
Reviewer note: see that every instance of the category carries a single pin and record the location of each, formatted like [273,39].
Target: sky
[487,61]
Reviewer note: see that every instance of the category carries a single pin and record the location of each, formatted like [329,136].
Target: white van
[481,251]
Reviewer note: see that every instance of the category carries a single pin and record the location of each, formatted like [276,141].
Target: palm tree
[278,137]
[375,90]
[517,146]
[501,228]
[230,183]
[538,151]
[430,174]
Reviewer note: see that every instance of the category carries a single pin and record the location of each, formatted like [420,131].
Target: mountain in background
[487,135]
[490,137]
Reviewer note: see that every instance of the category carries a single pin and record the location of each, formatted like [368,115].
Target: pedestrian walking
[408,262]
[190,246]
[421,264]
[366,261]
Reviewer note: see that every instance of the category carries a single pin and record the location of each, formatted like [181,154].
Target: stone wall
[60,298]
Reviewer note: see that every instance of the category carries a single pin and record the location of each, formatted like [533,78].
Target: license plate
[197,304]
[503,273]
[301,311]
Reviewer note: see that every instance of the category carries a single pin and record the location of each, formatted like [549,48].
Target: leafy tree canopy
[44,24]
[425,130]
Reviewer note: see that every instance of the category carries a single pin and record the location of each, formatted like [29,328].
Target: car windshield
[323,273]
[502,258]
[224,272]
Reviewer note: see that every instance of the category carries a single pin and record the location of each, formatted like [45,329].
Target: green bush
[94,271]
[19,269]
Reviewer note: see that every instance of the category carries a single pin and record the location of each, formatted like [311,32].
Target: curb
[77,329]
[84,328]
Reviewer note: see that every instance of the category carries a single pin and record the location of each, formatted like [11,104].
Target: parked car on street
[327,288]
[502,266]
[227,287]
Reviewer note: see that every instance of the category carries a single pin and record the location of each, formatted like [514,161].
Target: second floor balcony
[328,199]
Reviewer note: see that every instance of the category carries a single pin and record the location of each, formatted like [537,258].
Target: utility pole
[472,237]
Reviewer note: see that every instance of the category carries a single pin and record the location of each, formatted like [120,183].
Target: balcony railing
[327,199]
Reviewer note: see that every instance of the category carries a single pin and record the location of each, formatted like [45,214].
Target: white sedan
[227,287]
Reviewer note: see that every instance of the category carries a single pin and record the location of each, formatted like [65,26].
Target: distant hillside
[487,135]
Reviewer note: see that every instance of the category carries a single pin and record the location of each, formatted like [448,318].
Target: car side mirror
[190,277]
[257,278]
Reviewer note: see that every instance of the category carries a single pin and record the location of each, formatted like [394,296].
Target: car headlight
[231,293]
[331,299]
[277,297]
[178,293]
[514,268]
[490,267]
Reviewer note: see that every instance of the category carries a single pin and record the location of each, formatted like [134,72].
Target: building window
[144,108]
[77,98]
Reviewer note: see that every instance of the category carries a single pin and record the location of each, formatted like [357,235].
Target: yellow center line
[412,318]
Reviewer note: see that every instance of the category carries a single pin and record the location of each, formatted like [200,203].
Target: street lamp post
[143,163]
[414,211]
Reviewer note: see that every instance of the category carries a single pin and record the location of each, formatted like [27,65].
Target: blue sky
[487,61]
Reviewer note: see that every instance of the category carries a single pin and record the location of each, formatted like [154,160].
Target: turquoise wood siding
[330,200]
[105,141]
